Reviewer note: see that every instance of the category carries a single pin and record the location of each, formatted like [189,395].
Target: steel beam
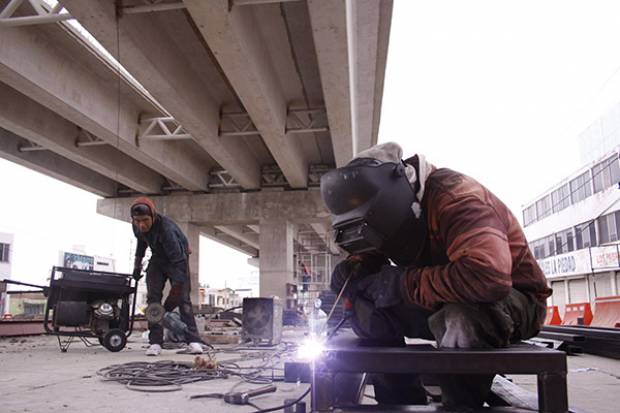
[164,128]
[236,41]
[44,14]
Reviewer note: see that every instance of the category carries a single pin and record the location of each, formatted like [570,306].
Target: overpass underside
[227,112]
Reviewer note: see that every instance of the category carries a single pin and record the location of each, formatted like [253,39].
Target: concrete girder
[235,40]
[230,208]
[370,30]
[51,164]
[28,119]
[324,231]
[231,242]
[329,28]
[48,66]
[236,231]
[153,59]
[351,39]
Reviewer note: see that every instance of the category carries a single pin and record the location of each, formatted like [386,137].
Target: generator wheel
[114,340]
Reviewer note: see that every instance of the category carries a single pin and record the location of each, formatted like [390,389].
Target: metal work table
[351,355]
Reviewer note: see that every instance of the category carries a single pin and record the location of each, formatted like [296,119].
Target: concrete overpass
[226,111]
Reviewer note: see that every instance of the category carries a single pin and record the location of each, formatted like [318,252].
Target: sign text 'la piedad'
[572,263]
[584,261]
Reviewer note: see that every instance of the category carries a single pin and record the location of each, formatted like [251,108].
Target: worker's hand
[137,274]
[385,288]
[356,267]
[174,297]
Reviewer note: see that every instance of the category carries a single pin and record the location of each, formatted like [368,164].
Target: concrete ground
[37,377]
[593,383]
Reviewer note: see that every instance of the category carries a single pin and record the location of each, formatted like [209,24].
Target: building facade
[573,231]
[6,259]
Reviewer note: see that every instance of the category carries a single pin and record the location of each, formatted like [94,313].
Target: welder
[169,261]
[433,254]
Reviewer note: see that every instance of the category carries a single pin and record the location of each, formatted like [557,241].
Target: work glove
[385,288]
[137,269]
[356,267]
[174,297]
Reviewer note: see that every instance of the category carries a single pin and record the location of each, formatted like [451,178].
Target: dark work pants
[493,325]
[155,282]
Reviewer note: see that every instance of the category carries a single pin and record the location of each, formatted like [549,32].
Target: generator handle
[45,289]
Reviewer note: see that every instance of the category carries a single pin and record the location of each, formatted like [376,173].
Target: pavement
[37,377]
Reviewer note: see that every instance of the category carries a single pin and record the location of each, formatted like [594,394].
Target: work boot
[153,350]
[194,348]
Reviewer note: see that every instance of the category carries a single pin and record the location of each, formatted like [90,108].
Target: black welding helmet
[371,206]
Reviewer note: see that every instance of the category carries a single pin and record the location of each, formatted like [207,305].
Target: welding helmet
[371,206]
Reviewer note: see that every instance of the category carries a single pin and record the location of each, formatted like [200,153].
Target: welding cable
[160,376]
[286,405]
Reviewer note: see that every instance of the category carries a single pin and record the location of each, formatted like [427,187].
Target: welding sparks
[310,349]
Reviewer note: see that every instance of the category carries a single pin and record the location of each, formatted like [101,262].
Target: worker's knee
[470,326]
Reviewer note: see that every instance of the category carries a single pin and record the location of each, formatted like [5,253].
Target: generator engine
[103,312]
[96,315]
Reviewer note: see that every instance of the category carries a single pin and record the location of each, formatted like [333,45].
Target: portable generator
[89,304]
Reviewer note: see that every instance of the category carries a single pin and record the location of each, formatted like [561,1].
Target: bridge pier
[262,224]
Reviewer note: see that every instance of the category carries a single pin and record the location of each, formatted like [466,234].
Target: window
[550,241]
[537,248]
[608,227]
[586,235]
[560,198]
[564,241]
[606,173]
[33,309]
[544,247]
[580,187]
[529,215]
[543,207]
[5,252]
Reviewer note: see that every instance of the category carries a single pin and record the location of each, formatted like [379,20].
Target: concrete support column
[276,258]
[192,232]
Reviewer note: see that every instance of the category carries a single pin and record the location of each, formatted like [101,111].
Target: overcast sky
[495,89]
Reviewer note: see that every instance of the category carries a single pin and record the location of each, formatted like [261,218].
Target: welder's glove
[356,267]
[385,288]
[137,269]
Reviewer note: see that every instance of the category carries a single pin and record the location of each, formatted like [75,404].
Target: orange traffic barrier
[607,312]
[553,316]
[575,311]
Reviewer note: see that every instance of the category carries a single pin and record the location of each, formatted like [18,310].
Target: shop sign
[571,263]
[604,258]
